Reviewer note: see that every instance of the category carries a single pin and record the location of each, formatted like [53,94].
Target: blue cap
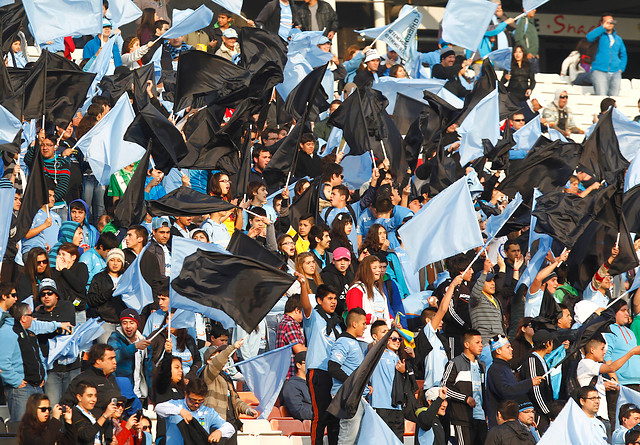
[160,221]
[322,40]
[106,23]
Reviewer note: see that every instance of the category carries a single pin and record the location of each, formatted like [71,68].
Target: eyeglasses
[518,120]
[13,294]
[289,243]
[42,262]
[592,398]
[120,404]
[195,402]
[394,339]
[146,428]
[44,409]
[226,181]
[48,293]
[564,97]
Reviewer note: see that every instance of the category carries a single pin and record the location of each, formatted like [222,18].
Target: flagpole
[389,26]
[384,150]
[295,155]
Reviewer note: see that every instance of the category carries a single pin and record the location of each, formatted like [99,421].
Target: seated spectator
[295,391]
[628,418]
[132,353]
[192,408]
[92,424]
[42,425]
[230,46]
[125,431]
[577,65]
[36,268]
[559,116]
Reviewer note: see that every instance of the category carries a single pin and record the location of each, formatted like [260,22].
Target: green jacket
[528,38]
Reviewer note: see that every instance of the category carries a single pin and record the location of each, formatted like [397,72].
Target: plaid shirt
[289,332]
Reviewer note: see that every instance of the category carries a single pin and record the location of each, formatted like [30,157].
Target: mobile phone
[114,400]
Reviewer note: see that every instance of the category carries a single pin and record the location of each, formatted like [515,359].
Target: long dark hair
[29,422]
[31,265]
[525,61]
[147,21]
[214,186]
[372,240]
[337,229]
[181,336]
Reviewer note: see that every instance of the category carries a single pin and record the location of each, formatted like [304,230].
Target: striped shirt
[56,169]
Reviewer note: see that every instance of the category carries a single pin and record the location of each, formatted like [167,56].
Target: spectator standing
[521,79]
[290,332]
[611,58]
[318,15]
[526,36]
[295,392]
[619,342]
[93,425]
[278,17]
[367,76]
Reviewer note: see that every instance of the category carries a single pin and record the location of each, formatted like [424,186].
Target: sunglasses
[13,295]
[48,293]
[43,262]
[518,120]
[394,339]
[44,409]
[564,97]
[120,404]
[195,402]
[146,428]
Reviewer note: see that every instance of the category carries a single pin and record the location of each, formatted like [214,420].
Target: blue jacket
[95,263]
[90,234]
[609,58]
[92,47]
[485,44]
[11,357]
[125,357]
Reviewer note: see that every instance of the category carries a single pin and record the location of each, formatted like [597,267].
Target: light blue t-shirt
[47,236]
[347,352]
[318,342]
[185,355]
[286,21]
[218,233]
[532,303]
[618,435]
[476,383]
[436,361]
[382,381]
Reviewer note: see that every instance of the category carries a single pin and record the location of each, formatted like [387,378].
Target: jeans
[94,197]
[349,428]
[57,383]
[583,79]
[606,84]
[17,400]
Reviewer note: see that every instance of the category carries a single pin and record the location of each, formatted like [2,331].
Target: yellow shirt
[301,245]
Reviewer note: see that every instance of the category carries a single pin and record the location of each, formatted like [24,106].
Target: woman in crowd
[100,300]
[133,54]
[366,292]
[168,384]
[46,425]
[70,232]
[307,266]
[398,71]
[287,248]
[341,228]
[199,235]
[220,187]
[72,276]
[15,57]
[523,343]
[146,30]
[186,350]
[521,80]
[375,241]
[126,432]
[577,65]
[35,269]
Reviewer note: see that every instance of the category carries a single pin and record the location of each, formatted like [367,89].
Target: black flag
[258,47]
[185,201]
[35,196]
[243,288]
[350,118]
[406,111]
[306,203]
[308,94]
[243,245]
[283,156]
[205,147]
[631,208]
[345,403]
[130,208]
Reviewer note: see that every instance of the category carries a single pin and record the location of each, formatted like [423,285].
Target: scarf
[332,320]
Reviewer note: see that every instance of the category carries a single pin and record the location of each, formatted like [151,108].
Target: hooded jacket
[65,235]
[126,358]
[90,234]
[609,58]
[101,301]
[11,362]
[509,433]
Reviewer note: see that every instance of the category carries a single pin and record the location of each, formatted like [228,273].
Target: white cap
[432,393]
[370,55]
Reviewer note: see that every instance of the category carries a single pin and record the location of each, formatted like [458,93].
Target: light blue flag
[7,195]
[553,359]
[101,65]
[234,6]
[466,21]
[495,222]
[67,348]
[530,5]
[265,374]
[415,303]
[9,126]
[555,135]
[632,177]
[628,133]
[626,395]
[356,169]
[132,287]
[544,246]
[104,147]
[414,88]
[475,186]
[122,12]
[291,192]
[401,32]
[180,249]
[188,23]
[333,141]
[157,65]
[572,426]
[6,2]
[445,226]
[525,138]
[483,122]
[372,426]
[636,283]
[52,19]
[303,55]
[501,58]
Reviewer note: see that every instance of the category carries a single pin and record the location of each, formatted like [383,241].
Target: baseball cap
[322,40]
[106,23]
[341,253]
[47,284]
[542,336]
[230,33]
[160,221]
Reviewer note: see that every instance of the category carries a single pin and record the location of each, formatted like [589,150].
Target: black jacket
[363,78]
[63,312]
[509,433]
[164,389]
[502,385]
[72,283]
[106,386]
[269,17]
[340,283]
[428,419]
[53,433]
[101,301]
[325,16]
[297,399]
[308,166]
[457,379]
[86,431]
[542,395]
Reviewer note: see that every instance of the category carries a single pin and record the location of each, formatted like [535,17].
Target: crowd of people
[474,363]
